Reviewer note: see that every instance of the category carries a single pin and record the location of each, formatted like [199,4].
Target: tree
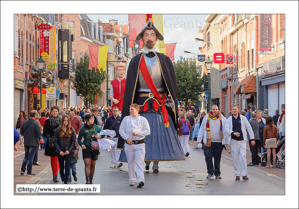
[88,82]
[189,79]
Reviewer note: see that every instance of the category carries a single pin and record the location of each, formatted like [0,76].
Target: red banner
[170,48]
[44,31]
[136,23]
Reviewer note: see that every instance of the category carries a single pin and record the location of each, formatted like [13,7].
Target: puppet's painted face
[149,38]
[120,71]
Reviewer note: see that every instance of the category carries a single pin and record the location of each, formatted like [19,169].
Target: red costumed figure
[117,88]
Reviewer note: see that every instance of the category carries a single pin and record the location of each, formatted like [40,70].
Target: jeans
[72,170]
[253,150]
[35,156]
[214,151]
[28,159]
[64,165]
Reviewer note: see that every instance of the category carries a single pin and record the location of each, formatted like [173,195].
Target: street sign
[201,57]
[218,58]
[229,59]
[51,93]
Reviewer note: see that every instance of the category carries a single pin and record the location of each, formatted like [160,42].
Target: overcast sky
[182,29]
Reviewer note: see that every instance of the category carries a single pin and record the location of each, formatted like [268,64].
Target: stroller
[280,160]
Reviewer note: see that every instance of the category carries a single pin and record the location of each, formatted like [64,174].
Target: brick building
[255,77]
[26,54]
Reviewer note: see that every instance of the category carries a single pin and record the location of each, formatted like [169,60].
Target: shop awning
[238,88]
[250,85]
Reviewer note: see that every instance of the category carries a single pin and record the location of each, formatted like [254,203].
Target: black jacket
[131,94]
[64,144]
[31,132]
[49,130]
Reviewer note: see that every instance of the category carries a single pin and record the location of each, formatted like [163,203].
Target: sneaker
[113,166]
[195,148]
[69,182]
[140,184]
[132,184]
[187,154]
[237,178]
[209,176]
[22,173]
[120,165]
[75,178]
[147,167]
[36,164]
[245,178]
[31,174]
[155,171]
[218,177]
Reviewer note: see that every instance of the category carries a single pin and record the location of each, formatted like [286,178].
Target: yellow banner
[158,22]
[103,52]
[52,48]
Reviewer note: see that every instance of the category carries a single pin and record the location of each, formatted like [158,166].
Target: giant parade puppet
[152,84]
[117,88]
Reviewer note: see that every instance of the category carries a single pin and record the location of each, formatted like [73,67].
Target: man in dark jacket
[32,133]
[82,113]
[113,123]
[253,148]
[275,117]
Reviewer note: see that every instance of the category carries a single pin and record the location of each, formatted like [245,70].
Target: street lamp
[208,64]
[200,39]
[40,66]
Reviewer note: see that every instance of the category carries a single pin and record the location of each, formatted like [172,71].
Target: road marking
[270,174]
[19,154]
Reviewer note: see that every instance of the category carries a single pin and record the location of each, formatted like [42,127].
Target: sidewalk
[272,171]
[43,160]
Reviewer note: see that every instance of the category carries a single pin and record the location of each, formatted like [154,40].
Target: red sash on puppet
[150,83]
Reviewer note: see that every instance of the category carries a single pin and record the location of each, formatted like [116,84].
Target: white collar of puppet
[147,50]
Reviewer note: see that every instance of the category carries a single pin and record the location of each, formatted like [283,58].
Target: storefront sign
[201,57]
[223,84]
[44,40]
[51,93]
[273,65]
[19,84]
[52,47]
[247,96]
[265,32]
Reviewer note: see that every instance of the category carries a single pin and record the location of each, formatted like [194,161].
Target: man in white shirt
[133,130]
[236,128]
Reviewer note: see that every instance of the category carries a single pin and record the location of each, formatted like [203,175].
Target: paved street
[178,177]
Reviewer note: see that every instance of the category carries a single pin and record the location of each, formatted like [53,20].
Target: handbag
[41,141]
[94,145]
[73,160]
[51,139]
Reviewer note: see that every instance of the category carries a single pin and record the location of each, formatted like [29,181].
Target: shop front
[271,82]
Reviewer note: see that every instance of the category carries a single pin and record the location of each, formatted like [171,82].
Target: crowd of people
[212,131]
[62,133]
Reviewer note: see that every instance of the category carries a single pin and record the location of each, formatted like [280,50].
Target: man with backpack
[214,138]
[184,132]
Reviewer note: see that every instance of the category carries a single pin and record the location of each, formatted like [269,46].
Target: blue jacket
[248,116]
[82,114]
[16,136]
[195,132]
